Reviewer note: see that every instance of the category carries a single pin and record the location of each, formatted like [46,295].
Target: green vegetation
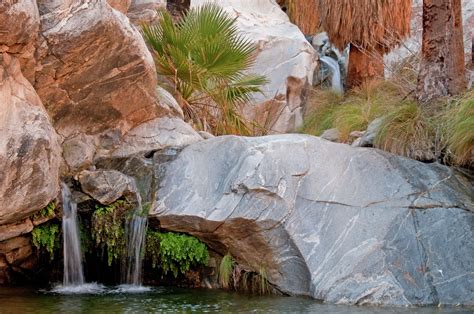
[408,131]
[47,237]
[175,252]
[205,60]
[225,270]
[352,112]
[46,212]
[108,229]
[422,132]
[459,131]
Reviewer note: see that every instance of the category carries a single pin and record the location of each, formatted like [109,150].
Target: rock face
[29,149]
[145,11]
[120,5]
[99,84]
[344,225]
[282,52]
[19,25]
[97,73]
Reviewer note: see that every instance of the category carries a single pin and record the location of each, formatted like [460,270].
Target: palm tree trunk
[304,14]
[442,64]
[364,65]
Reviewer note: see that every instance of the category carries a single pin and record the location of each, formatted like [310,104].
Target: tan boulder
[29,149]
[120,5]
[19,26]
[97,73]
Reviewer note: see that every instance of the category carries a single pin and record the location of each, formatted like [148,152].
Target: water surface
[171,300]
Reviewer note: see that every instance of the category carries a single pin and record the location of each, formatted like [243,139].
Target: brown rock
[14,243]
[29,150]
[17,256]
[106,186]
[15,229]
[97,73]
[19,26]
[120,5]
[145,11]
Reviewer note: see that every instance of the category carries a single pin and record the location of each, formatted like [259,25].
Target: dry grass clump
[352,112]
[459,131]
[408,131]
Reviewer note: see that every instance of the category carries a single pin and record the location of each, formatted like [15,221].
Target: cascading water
[336,73]
[136,233]
[73,274]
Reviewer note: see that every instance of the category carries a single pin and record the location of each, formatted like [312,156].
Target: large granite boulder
[283,55]
[29,149]
[99,84]
[19,25]
[341,224]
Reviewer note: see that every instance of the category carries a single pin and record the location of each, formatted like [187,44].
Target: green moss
[225,270]
[46,237]
[175,252]
[108,230]
[45,212]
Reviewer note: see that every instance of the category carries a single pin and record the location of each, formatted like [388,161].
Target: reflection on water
[167,300]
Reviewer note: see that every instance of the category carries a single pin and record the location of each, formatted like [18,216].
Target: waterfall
[336,73]
[73,274]
[135,242]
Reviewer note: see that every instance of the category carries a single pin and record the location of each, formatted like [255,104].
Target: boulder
[97,73]
[120,5]
[106,186]
[343,225]
[29,149]
[19,26]
[368,139]
[99,84]
[145,11]
[282,52]
[332,135]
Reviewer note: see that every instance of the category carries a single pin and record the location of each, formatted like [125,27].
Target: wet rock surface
[341,224]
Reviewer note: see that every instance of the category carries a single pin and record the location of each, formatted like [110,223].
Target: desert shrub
[225,270]
[408,131]
[47,237]
[459,131]
[174,252]
[205,61]
[108,230]
[351,112]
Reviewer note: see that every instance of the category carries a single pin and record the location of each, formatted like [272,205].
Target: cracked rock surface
[341,224]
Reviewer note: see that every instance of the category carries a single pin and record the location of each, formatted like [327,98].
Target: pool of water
[101,299]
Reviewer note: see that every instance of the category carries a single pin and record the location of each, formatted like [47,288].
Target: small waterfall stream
[336,73]
[73,273]
[135,242]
